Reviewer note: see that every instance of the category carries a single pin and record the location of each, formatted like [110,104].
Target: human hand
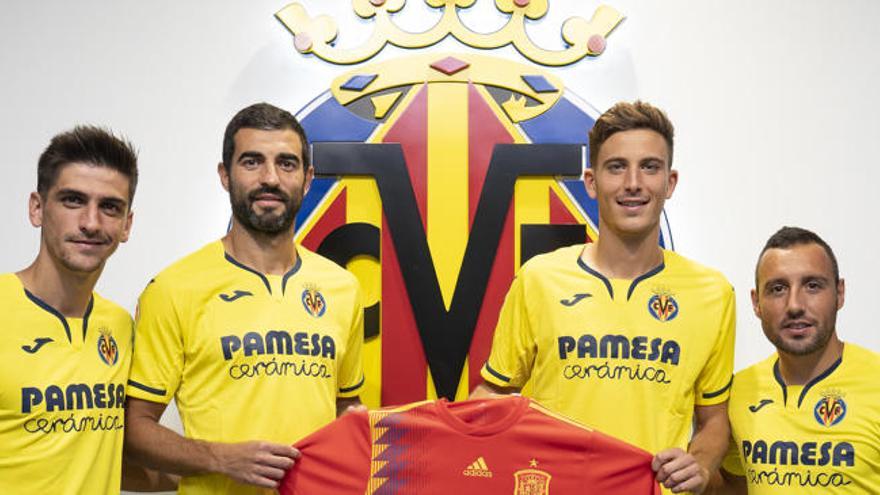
[254,463]
[679,471]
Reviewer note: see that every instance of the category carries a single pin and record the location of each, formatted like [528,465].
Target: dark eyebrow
[250,154]
[289,156]
[773,281]
[75,192]
[115,201]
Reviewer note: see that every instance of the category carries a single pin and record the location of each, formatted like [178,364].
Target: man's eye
[288,165]
[777,289]
[72,200]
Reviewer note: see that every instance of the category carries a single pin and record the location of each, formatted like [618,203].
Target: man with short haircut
[258,340]
[806,419]
[619,334]
[66,351]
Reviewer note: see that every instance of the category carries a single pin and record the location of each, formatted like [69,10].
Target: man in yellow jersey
[66,350]
[807,419]
[256,338]
[620,334]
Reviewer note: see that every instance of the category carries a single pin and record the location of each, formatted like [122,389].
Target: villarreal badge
[830,409]
[663,306]
[532,482]
[313,301]
[107,348]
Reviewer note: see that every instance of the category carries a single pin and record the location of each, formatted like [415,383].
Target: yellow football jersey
[248,356]
[628,357]
[62,393]
[822,437]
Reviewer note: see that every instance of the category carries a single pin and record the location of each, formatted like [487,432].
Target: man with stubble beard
[257,339]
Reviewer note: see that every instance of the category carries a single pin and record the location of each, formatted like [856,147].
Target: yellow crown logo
[582,37]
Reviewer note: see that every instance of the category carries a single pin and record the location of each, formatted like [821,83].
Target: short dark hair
[787,237]
[626,116]
[265,117]
[90,145]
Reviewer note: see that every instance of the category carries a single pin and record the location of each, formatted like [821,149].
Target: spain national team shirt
[248,356]
[62,392]
[509,446]
[628,357]
[822,437]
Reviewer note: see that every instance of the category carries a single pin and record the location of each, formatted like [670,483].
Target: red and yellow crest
[830,409]
[663,306]
[108,351]
[438,175]
[532,482]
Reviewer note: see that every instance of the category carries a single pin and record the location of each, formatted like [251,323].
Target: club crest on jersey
[663,306]
[830,410]
[107,348]
[531,482]
[313,301]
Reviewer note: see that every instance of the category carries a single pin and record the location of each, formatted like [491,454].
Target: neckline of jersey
[293,270]
[777,374]
[442,406]
[54,312]
[635,282]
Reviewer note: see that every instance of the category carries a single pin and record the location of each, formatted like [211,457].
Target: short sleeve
[351,373]
[157,364]
[513,346]
[713,384]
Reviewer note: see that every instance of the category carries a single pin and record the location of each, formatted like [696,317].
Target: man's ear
[35,209]
[224,175]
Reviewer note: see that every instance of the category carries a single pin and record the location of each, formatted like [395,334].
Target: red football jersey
[509,446]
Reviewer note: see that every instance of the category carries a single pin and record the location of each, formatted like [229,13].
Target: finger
[678,464]
[277,461]
[684,479]
[261,481]
[281,449]
[269,472]
[665,456]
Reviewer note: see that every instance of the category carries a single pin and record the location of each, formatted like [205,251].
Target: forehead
[93,180]
[270,142]
[795,262]
[634,144]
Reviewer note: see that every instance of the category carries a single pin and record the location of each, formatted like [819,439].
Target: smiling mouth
[89,242]
[632,203]
[798,327]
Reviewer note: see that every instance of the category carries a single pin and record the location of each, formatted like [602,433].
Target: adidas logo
[478,468]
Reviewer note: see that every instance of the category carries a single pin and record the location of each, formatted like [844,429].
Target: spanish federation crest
[108,351]
[313,301]
[439,174]
[663,306]
[830,410]
[532,482]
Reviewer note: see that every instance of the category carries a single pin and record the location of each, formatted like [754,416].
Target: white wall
[775,106]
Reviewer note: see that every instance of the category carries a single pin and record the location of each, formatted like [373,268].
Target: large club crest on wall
[439,175]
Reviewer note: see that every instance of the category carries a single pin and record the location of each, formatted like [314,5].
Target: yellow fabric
[781,442]
[61,406]
[605,360]
[245,362]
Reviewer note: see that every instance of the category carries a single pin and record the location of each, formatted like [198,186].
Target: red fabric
[496,446]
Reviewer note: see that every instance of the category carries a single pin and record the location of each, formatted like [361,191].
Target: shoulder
[109,309]
[861,356]
[189,270]
[750,377]
[680,265]
[326,268]
[567,256]
[10,289]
